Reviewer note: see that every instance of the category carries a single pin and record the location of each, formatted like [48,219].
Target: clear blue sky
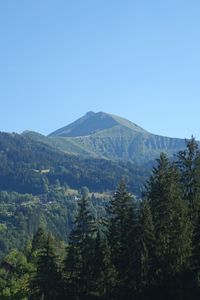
[136,58]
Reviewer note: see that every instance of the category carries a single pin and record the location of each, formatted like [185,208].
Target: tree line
[148,249]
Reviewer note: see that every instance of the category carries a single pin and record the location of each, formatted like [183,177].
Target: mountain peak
[92,123]
[90,113]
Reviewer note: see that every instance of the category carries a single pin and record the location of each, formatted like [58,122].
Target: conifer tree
[103,271]
[45,283]
[169,212]
[121,222]
[189,166]
[39,239]
[144,250]
[81,252]
[196,251]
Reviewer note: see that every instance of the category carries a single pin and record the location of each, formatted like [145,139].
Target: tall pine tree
[121,222]
[196,251]
[81,253]
[189,166]
[103,270]
[172,229]
[143,259]
[46,281]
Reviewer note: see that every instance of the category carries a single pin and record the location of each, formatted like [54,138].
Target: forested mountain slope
[29,166]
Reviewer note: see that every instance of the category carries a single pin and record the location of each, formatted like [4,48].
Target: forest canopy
[133,249]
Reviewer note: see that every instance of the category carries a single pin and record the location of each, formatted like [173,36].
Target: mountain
[28,164]
[92,123]
[112,137]
[40,186]
[38,173]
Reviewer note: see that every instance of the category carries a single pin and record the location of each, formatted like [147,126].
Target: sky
[139,59]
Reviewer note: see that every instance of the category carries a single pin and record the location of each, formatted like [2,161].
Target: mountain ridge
[112,137]
[93,122]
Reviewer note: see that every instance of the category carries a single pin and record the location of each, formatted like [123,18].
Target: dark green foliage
[81,252]
[21,215]
[30,166]
[172,227]
[30,195]
[189,165]
[104,272]
[46,281]
[20,162]
[196,250]
[39,240]
[121,220]
[15,273]
[145,249]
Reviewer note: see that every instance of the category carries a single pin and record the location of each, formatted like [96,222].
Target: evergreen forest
[128,248]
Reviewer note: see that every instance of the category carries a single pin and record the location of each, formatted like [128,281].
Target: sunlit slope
[112,137]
